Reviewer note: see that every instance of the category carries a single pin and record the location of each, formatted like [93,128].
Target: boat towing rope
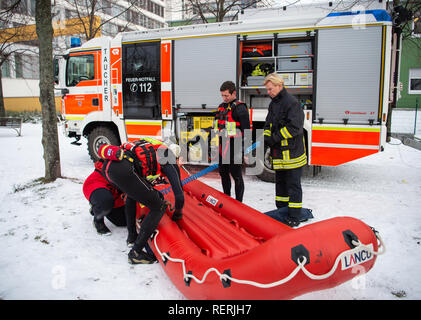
[301,262]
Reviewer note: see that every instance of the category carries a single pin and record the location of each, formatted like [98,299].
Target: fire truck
[165,82]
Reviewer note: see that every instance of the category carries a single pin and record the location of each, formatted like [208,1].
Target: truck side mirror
[64,91]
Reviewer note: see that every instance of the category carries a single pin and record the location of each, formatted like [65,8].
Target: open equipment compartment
[291,55]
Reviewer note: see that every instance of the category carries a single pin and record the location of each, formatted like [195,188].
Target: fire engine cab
[165,82]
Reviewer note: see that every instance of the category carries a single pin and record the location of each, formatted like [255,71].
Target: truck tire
[267,174]
[99,136]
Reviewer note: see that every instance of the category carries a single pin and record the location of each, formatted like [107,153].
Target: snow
[50,249]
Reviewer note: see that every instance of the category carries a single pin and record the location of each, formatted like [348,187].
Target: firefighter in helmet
[130,168]
[231,119]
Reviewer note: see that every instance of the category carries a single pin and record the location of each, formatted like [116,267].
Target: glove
[177,215]
[119,154]
[276,138]
[268,141]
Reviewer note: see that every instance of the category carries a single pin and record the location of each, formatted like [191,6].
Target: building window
[30,67]
[5,69]
[106,7]
[18,66]
[414,86]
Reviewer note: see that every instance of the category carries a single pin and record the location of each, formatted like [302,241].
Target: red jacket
[96,181]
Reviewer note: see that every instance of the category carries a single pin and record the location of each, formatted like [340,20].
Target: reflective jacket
[231,119]
[284,131]
[224,119]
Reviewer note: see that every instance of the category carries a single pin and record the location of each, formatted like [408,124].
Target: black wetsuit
[123,175]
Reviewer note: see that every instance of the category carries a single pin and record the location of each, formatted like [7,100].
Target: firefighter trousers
[288,190]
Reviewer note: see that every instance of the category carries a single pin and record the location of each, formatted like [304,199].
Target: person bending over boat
[130,168]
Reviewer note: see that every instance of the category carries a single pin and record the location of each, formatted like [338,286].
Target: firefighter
[283,133]
[105,200]
[130,168]
[231,119]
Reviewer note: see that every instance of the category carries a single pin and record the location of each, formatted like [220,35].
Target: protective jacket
[283,132]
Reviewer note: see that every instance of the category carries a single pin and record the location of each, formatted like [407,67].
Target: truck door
[83,80]
[141,80]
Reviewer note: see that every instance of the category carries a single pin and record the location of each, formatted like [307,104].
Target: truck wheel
[99,136]
[267,174]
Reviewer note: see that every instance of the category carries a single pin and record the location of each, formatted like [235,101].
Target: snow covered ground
[50,250]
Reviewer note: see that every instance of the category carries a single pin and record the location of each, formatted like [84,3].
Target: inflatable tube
[224,249]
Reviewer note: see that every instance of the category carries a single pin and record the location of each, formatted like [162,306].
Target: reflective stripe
[283,199]
[303,157]
[285,133]
[295,205]
[151,178]
[267,133]
[102,151]
[231,128]
[284,143]
[152,141]
[289,166]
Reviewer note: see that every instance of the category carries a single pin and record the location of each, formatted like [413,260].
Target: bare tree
[405,15]
[86,19]
[50,143]
[217,10]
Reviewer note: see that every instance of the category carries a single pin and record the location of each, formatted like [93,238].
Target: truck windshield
[79,68]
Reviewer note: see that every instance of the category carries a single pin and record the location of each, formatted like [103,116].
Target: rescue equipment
[257,50]
[223,249]
[143,153]
[224,120]
[257,71]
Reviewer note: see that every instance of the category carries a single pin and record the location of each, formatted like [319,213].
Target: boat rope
[205,171]
[301,262]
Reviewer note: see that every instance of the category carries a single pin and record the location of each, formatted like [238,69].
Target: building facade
[20,71]
[410,67]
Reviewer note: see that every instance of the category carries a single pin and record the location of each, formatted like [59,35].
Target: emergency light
[74,42]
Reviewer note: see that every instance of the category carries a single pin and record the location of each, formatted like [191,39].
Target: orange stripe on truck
[346,137]
[144,130]
[327,156]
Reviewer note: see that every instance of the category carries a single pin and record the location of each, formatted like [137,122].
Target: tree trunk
[46,85]
[2,109]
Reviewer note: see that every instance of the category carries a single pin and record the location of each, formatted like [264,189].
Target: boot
[140,257]
[292,222]
[100,227]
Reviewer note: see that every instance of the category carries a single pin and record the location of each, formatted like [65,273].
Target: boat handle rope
[300,266]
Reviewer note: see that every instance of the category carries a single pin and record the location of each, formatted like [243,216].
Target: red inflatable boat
[224,249]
